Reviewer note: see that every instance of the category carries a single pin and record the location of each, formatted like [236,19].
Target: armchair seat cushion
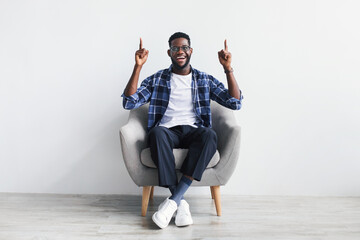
[179,155]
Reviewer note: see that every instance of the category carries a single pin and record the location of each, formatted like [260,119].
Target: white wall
[64,65]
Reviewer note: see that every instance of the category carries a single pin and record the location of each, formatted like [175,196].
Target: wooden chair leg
[216,191]
[152,192]
[212,192]
[145,200]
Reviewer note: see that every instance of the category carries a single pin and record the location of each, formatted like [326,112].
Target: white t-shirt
[180,110]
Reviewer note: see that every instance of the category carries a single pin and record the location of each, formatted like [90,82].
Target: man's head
[180,50]
[179,35]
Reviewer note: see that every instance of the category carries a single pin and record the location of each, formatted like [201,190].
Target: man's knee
[208,134]
[157,133]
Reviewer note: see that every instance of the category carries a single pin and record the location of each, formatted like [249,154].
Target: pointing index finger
[141,44]
[225,45]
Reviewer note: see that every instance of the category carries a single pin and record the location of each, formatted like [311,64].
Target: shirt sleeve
[221,95]
[140,97]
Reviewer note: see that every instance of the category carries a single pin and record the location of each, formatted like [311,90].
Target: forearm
[232,84]
[131,87]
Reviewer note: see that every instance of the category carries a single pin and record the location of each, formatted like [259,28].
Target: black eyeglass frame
[185,48]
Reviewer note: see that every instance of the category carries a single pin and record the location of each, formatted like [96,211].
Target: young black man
[180,117]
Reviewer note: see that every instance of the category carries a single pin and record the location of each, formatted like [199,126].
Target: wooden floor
[68,217]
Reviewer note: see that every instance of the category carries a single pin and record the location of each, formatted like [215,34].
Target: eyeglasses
[176,49]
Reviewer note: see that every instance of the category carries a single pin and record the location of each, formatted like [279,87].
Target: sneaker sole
[184,224]
[157,222]
[189,220]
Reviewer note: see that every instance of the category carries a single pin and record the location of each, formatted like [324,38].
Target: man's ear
[168,51]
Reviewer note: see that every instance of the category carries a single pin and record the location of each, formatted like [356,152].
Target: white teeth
[180,58]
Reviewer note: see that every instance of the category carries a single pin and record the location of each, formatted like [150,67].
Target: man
[180,117]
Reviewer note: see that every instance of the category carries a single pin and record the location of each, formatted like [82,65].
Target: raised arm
[225,61]
[141,56]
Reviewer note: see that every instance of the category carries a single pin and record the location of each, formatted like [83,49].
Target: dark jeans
[201,142]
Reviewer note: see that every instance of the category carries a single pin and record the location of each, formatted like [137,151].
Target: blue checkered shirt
[156,90]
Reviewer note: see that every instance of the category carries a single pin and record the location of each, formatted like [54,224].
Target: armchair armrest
[133,140]
[229,134]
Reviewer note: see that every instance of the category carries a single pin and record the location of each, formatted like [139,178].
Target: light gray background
[64,65]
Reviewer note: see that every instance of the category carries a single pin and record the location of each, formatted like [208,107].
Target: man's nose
[180,50]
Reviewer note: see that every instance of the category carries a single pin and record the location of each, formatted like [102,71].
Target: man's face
[180,57]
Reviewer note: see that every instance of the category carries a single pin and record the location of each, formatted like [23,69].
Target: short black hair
[179,35]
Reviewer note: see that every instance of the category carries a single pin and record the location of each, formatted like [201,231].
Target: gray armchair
[142,170]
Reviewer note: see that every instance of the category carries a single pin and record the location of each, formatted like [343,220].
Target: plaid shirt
[156,89]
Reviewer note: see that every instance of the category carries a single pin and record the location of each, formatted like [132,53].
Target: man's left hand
[225,57]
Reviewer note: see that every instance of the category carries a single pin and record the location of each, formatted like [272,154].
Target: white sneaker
[183,215]
[166,210]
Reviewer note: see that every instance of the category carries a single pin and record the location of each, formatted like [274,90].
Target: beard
[177,66]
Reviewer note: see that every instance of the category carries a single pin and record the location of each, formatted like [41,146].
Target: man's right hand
[141,55]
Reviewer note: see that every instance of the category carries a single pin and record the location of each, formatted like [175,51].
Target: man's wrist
[228,69]
[137,66]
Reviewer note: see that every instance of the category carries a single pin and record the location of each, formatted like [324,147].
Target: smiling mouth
[180,61]
[181,58]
